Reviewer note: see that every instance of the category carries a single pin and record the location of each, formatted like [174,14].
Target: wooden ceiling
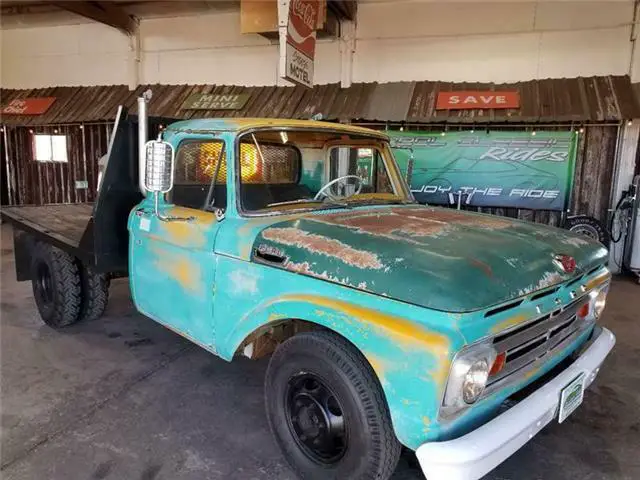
[122,14]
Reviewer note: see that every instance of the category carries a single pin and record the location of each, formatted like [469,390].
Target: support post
[347,48]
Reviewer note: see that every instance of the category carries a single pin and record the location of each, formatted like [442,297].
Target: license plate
[571,397]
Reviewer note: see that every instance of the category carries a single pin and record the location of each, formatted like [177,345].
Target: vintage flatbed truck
[388,323]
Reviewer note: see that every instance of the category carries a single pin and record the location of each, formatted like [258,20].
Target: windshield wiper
[309,200]
[373,201]
[293,202]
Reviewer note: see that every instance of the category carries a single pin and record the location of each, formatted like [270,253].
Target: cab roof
[242,124]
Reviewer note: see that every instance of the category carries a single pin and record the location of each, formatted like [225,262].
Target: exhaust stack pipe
[143,136]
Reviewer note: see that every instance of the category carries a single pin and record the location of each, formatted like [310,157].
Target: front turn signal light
[583,311]
[498,364]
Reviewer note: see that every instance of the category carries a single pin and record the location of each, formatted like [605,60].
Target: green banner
[495,169]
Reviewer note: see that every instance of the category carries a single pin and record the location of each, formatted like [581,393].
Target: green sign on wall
[496,169]
[210,101]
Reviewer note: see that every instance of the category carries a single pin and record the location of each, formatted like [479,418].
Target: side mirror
[158,178]
[159,159]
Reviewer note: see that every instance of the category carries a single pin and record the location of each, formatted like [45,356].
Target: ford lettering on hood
[437,258]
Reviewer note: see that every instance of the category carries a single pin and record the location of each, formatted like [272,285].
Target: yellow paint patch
[377,365]
[440,374]
[532,373]
[188,232]
[249,123]
[509,322]
[598,280]
[401,330]
[426,421]
[274,317]
[186,272]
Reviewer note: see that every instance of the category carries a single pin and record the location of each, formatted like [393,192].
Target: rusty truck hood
[437,258]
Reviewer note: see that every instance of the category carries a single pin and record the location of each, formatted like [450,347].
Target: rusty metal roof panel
[590,99]
[389,102]
[628,101]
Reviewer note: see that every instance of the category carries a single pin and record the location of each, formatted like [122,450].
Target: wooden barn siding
[594,172]
[39,183]
[42,183]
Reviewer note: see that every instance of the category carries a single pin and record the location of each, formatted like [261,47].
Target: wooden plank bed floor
[64,222]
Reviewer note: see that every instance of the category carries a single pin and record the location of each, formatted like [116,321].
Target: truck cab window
[363,162]
[284,170]
[195,166]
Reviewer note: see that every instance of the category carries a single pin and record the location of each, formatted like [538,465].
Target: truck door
[172,262]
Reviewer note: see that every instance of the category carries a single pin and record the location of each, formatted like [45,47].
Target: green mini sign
[217,101]
[496,169]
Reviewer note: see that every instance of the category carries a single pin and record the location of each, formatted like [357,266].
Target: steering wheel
[336,180]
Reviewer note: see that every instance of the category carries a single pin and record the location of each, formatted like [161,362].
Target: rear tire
[56,285]
[327,410]
[95,294]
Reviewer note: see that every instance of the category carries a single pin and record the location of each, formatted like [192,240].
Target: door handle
[269,257]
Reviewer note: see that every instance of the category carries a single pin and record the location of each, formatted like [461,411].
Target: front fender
[409,348]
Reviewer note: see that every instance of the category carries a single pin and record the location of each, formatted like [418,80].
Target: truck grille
[529,345]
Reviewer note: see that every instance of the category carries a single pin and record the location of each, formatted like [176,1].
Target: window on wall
[50,148]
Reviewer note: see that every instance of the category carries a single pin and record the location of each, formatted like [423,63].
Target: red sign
[28,106]
[301,41]
[301,29]
[472,99]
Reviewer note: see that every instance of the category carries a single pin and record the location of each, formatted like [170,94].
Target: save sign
[472,99]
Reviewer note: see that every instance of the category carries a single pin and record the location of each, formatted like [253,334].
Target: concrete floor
[124,398]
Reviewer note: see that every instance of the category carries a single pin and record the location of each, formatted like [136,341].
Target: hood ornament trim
[565,263]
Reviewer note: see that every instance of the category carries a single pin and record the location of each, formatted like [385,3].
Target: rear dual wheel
[64,290]
[327,411]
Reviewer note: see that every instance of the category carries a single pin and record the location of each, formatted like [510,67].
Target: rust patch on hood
[412,222]
[322,245]
[306,269]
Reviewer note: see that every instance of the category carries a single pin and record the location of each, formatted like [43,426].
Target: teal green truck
[388,323]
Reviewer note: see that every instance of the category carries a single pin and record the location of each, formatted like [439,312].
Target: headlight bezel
[598,301]
[462,364]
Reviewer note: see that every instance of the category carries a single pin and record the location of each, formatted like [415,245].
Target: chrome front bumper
[474,455]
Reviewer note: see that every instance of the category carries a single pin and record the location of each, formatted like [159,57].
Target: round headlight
[598,302]
[475,380]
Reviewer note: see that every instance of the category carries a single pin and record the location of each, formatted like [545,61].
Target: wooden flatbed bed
[64,223]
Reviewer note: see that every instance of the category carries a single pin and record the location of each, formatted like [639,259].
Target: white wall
[492,41]
[395,40]
[211,49]
[82,54]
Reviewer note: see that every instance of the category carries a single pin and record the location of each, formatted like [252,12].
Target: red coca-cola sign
[301,29]
[28,106]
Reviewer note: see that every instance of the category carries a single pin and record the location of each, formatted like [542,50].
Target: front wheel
[327,410]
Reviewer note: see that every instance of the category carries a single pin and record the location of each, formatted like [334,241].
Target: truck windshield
[305,169]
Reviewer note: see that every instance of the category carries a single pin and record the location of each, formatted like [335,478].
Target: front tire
[56,285]
[327,410]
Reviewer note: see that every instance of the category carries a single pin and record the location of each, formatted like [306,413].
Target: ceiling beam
[344,9]
[108,13]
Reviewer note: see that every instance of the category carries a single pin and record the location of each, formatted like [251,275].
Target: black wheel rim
[44,283]
[315,418]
